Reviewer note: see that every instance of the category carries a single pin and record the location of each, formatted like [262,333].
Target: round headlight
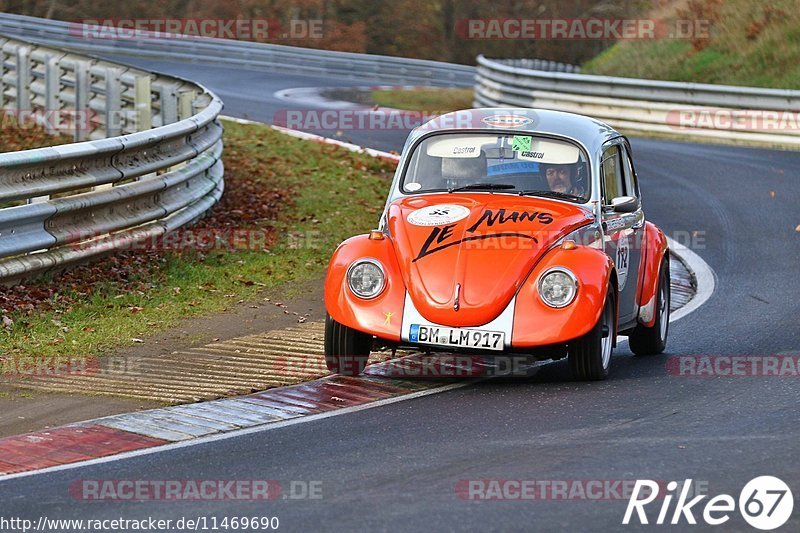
[558,287]
[366,278]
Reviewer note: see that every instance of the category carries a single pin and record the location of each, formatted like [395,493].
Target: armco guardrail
[125,182]
[701,111]
[232,53]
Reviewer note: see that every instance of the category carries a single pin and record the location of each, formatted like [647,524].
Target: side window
[631,188]
[613,185]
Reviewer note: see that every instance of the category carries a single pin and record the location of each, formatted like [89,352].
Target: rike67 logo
[765,503]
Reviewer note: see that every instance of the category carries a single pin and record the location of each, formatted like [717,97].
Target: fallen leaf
[7,322]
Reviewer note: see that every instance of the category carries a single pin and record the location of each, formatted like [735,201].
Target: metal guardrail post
[169,103]
[84,116]
[186,104]
[3,71]
[113,96]
[142,103]
[23,95]
[52,102]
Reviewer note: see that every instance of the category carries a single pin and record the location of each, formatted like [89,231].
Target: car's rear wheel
[346,349]
[653,340]
[590,355]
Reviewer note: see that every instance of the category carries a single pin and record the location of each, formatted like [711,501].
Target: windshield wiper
[483,186]
[553,194]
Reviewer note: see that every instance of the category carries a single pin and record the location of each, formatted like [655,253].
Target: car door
[623,230]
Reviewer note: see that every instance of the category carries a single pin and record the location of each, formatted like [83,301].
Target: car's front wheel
[653,340]
[590,355]
[346,349]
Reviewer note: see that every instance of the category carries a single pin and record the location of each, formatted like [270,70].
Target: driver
[561,178]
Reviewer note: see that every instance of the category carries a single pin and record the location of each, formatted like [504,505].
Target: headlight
[366,279]
[558,287]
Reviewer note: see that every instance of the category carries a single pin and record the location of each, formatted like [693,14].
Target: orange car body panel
[653,249]
[488,254]
[495,253]
[537,324]
[381,316]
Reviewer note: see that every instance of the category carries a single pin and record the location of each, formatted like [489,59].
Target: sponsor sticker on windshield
[521,143]
[545,151]
[459,146]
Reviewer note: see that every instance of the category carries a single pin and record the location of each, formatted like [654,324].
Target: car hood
[463,256]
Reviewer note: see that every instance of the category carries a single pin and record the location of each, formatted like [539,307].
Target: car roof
[589,132]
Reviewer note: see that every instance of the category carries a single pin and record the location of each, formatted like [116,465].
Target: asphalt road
[250,94]
[396,467]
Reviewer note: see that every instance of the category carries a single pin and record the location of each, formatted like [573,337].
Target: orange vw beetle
[506,230]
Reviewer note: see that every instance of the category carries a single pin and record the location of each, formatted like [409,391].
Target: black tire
[653,340]
[346,349]
[590,356]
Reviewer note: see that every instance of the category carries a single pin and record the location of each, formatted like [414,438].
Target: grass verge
[318,195]
[427,100]
[748,43]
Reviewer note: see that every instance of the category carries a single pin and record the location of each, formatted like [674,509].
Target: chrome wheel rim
[606,343]
[663,310]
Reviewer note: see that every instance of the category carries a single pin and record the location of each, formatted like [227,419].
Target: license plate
[459,337]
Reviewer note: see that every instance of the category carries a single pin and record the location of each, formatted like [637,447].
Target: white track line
[705,287]
[704,275]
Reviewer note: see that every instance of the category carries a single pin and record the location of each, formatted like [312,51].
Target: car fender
[537,324]
[380,316]
[655,247]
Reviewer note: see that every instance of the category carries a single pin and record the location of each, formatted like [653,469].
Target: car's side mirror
[625,204]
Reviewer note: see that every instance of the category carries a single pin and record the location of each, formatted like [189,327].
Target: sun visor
[466,147]
[544,151]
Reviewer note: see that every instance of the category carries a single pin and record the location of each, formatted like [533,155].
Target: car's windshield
[502,163]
